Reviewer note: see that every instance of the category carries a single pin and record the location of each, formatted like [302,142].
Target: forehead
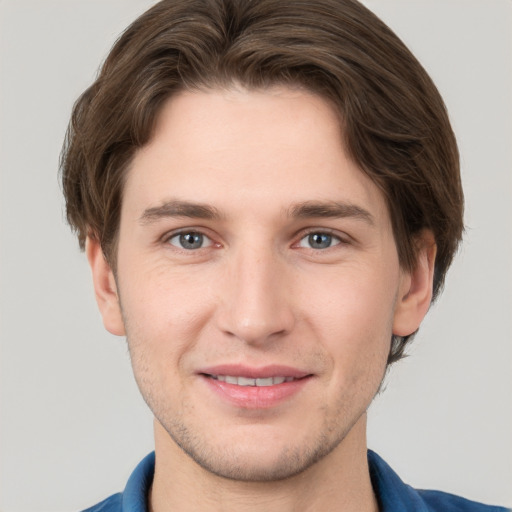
[248,150]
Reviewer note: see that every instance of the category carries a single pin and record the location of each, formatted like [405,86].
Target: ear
[105,288]
[415,293]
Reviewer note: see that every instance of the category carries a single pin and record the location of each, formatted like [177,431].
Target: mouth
[249,381]
[255,388]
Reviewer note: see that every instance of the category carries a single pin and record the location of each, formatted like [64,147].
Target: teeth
[265,382]
[247,381]
[244,381]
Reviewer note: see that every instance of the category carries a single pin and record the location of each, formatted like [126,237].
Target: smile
[255,388]
[248,381]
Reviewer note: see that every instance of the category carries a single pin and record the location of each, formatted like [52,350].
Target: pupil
[191,240]
[320,241]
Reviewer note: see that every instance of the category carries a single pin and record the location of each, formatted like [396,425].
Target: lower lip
[256,397]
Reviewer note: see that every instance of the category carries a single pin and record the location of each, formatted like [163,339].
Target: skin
[272,280]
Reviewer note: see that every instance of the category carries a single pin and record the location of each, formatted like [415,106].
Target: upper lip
[252,372]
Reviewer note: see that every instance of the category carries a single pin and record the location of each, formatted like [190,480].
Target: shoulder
[394,495]
[445,502]
[111,504]
[134,496]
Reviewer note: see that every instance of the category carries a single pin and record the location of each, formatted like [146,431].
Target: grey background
[72,423]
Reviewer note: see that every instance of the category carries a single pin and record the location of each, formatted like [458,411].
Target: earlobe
[416,287]
[105,288]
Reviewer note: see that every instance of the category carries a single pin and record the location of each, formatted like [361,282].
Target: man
[269,196]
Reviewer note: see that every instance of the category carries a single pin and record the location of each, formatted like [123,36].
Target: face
[258,280]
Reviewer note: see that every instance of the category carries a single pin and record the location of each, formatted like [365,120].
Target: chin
[255,458]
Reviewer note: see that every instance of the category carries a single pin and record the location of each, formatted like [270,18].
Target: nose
[256,297]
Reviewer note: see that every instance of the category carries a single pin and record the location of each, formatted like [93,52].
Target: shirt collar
[392,494]
[137,489]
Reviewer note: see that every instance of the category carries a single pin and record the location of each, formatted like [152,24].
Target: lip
[255,397]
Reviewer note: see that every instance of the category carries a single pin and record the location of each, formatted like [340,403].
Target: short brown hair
[395,124]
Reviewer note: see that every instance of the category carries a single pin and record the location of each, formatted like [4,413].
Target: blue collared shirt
[392,494]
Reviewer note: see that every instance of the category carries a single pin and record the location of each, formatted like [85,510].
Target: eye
[190,240]
[319,240]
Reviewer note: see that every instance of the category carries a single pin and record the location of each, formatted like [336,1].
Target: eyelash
[194,232]
[335,239]
[200,237]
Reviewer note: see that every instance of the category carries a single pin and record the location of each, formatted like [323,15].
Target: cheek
[163,310]
[157,289]
[355,319]
[356,300]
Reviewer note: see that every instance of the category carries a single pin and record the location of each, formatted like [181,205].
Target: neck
[338,482]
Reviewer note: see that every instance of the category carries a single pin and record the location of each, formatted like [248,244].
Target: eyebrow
[330,209]
[304,210]
[176,208]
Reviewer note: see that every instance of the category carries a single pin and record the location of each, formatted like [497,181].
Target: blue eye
[319,240]
[190,240]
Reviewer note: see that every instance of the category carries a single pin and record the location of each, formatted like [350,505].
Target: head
[393,121]
[216,100]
